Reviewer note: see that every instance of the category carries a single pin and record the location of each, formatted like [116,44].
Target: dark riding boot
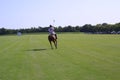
[56,36]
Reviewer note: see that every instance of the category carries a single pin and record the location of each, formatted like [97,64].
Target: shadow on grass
[36,50]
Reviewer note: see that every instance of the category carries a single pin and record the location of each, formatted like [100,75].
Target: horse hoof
[51,48]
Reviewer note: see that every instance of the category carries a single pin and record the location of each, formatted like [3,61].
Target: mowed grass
[78,57]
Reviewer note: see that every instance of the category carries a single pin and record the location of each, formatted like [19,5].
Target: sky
[16,14]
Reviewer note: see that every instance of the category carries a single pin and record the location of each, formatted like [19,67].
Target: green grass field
[78,57]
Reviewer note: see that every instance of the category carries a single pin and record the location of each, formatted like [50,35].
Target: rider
[51,31]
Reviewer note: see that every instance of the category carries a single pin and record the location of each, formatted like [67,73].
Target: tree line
[103,28]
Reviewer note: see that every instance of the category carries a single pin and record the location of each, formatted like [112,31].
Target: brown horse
[53,39]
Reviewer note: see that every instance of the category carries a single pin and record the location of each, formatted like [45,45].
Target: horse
[53,39]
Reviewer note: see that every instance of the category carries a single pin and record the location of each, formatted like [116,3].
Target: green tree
[2,31]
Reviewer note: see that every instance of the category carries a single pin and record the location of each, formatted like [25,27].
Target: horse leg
[55,43]
[51,44]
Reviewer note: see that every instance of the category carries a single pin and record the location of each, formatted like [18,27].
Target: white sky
[17,14]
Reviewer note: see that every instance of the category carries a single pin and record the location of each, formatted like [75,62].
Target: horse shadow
[36,49]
